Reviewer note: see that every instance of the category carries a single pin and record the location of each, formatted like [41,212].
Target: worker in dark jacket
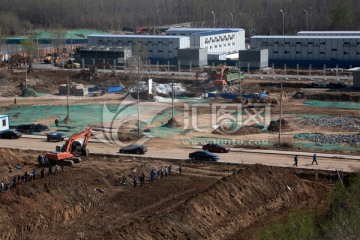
[314,159]
[295,160]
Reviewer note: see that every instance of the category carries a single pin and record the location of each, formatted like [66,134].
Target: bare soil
[207,201]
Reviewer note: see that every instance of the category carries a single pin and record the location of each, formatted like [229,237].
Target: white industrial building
[216,40]
[4,122]
[328,33]
[159,48]
[332,51]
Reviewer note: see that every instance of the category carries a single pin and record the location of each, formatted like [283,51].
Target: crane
[65,152]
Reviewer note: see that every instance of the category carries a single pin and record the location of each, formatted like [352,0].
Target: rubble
[348,123]
[330,138]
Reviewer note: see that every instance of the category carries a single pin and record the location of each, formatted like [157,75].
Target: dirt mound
[206,202]
[172,123]
[29,92]
[234,130]
[274,126]
[227,207]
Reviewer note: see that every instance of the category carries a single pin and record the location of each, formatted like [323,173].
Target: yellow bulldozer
[51,58]
[72,64]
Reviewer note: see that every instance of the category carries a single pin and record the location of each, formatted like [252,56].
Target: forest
[257,17]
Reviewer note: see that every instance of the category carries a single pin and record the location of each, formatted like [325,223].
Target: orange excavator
[64,153]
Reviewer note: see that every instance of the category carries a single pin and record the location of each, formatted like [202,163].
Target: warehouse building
[113,55]
[216,40]
[332,51]
[328,33]
[254,58]
[157,48]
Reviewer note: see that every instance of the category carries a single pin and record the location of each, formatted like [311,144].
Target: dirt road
[348,163]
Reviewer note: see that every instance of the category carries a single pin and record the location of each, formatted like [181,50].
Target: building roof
[184,29]
[304,37]
[137,36]
[329,32]
[215,32]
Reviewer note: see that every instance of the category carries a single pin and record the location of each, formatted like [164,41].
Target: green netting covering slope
[325,104]
[81,115]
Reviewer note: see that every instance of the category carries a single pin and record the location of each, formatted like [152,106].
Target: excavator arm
[66,152]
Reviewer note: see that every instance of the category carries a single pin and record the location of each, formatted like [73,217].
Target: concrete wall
[254,58]
[356,79]
[193,57]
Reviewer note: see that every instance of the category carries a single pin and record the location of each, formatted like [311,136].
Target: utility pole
[67,119]
[240,80]
[138,93]
[172,99]
[280,119]
[25,75]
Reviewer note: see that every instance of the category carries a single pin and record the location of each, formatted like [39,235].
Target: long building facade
[159,48]
[216,40]
[328,33]
[332,51]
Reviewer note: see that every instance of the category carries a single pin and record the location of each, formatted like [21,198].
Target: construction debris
[348,123]
[330,138]
[274,126]
[172,123]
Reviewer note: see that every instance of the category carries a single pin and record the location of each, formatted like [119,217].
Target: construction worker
[14,182]
[57,122]
[15,101]
[34,174]
[180,168]
[42,173]
[142,179]
[314,159]
[295,161]
[134,181]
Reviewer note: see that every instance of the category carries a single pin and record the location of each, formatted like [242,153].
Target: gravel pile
[349,123]
[333,138]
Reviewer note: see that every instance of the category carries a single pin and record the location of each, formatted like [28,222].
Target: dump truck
[227,76]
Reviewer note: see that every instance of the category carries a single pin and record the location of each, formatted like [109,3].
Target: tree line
[257,17]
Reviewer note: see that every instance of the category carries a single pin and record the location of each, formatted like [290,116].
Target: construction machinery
[72,64]
[51,58]
[227,77]
[65,153]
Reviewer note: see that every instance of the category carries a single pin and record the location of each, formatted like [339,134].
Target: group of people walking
[19,180]
[314,160]
[153,174]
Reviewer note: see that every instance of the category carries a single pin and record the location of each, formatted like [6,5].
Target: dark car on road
[218,148]
[30,128]
[203,155]
[317,85]
[11,134]
[134,148]
[55,136]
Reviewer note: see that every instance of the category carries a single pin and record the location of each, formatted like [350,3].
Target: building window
[334,49]
[346,53]
[287,42]
[310,52]
[322,53]
[276,42]
[160,51]
[150,51]
[310,43]
[298,52]
[276,52]
[170,51]
[4,122]
[322,43]
[286,52]
[298,43]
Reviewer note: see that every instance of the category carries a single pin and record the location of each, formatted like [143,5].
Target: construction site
[252,186]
